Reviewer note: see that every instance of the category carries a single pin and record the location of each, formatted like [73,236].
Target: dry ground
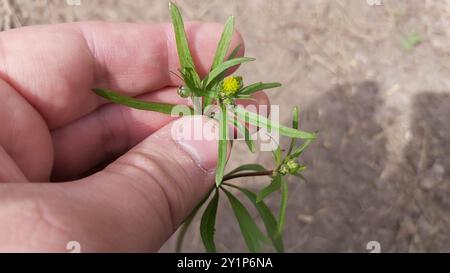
[381,168]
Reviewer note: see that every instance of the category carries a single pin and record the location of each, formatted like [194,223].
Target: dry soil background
[380,169]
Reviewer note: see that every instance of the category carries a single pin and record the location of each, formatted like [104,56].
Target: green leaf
[247,167]
[232,56]
[191,80]
[224,43]
[250,231]
[297,152]
[212,93]
[208,222]
[184,53]
[269,220]
[283,206]
[258,87]
[234,52]
[223,143]
[274,185]
[160,107]
[278,154]
[222,68]
[245,132]
[261,121]
[299,175]
[245,97]
[187,222]
[295,126]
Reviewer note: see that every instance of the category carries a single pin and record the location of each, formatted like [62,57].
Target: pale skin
[54,128]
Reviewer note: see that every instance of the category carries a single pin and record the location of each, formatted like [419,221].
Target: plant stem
[238,175]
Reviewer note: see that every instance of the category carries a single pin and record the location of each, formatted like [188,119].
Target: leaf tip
[218,181]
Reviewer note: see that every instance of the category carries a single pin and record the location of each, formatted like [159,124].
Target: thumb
[147,193]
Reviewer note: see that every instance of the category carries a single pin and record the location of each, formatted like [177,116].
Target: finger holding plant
[218,91]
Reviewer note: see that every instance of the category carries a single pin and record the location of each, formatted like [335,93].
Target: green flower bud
[292,166]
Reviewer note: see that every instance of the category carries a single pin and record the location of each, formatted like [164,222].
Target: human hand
[54,128]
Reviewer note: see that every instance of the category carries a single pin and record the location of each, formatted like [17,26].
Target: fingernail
[198,136]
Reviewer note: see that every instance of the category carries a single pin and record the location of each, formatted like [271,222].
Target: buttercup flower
[231,85]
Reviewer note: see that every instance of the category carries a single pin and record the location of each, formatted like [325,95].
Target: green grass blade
[268,218]
[295,126]
[224,43]
[115,97]
[274,185]
[252,235]
[223,143]
[261,121]
[246,168]
[283,206]
[184,53]
[223,67]
[248,90]
[208,222]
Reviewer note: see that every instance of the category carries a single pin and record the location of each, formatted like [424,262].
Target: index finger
[55,66]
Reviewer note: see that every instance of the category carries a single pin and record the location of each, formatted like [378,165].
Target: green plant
[218,89]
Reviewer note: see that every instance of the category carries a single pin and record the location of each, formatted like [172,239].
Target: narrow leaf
[295,126]
[212,93]
[258,87]
[160,107]
[278,154]
[250,231]
[268,218]
[245,132]
[223,143]
[208,222]
[187,222]
[283,206]
[247,167]
[224,43]
[223,67]
[274,185]
[299,175]
[297,152]
[184,53]
[246,97]
[191,80]
[234,52]
[261,121]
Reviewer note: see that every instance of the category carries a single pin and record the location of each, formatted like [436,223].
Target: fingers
[113,129]
[9,172]
[134,205]
[24,139]
[57,72]
[105,134]
[154,187]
